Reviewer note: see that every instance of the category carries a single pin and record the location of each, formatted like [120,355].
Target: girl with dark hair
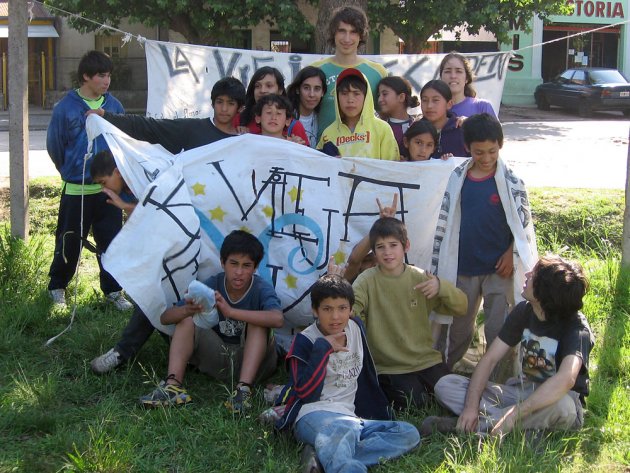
[305,94]
[394,98]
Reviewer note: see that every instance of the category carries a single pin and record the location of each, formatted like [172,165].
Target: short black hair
[239,242]
[482,127]
[388,227]
[103,164]
[559,287]
[92,63]
[331,285]
[440,87]
[231,87]
[281,103]
[422,126]
[352,81]
[353,16]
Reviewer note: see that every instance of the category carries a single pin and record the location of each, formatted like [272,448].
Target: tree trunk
[625,241]
[326,9]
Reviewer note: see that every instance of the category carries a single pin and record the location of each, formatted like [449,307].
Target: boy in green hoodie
[356,131]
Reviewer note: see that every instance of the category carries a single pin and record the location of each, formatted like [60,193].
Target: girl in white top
[305,93]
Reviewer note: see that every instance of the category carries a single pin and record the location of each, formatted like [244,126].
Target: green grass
[55,415]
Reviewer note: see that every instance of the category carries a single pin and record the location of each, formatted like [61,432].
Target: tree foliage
[415,21]
[199,21]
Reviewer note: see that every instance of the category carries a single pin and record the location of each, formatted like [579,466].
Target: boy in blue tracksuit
[67,145]
[335,390]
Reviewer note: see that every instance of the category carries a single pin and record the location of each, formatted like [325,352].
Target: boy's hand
[429,288]
[296,139]
[99,111]
[505,265]
[338,269]
[241,130]
[460,121]
[222,305]
[468,420]
[388,211]
[445,156]
[337,341]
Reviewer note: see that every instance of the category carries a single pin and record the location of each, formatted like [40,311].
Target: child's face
[528,287]
[347,39]
[311,93]
[420,147]
[265,86]
[434,105]
[351,102]
[113,182]
[485,155]
[389,101]
[239,270]
[225,109]
[272,120]
[454,74]
[332,315]
[96,85]
[390,255]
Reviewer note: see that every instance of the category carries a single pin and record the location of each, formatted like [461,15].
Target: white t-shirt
[342,374]
[310,127]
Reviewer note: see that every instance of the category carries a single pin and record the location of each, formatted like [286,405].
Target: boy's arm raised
[449,300]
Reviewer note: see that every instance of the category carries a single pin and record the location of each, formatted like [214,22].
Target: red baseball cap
[351,71]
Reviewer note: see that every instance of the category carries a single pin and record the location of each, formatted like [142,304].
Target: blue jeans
[351,444]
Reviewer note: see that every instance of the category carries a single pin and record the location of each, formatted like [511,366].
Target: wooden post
[625,241]
[18,116]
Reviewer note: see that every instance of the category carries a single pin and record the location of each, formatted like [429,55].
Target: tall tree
[415,21]
[199,21]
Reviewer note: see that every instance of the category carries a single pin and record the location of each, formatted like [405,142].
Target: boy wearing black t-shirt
[555,343]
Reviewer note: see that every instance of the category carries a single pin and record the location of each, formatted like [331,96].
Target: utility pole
[18,116]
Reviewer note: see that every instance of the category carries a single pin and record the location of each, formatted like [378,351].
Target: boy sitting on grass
[105,172]
[356,131]
[394,300]
[335,390]
[241,342]
[555,341]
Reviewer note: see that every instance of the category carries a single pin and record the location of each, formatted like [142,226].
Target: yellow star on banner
[291,281]
[293,193]
[217,214]
[245,229]
[340,257]
[199,189]
[268,211]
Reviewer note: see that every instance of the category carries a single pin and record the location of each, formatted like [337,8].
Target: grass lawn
[55,415]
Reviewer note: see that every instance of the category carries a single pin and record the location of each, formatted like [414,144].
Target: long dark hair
[293,91]
[247,115]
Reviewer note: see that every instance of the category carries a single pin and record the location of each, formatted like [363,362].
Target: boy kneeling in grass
[335,390]
[555,342]
[241,342]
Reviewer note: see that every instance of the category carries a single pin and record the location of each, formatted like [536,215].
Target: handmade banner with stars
[302,205]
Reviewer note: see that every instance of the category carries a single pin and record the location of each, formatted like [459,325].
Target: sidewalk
[38,119]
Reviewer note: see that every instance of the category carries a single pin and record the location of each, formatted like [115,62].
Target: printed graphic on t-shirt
[231,328]
[539,356]
[345,368]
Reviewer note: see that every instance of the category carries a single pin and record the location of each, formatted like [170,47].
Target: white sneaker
[106,362]
[58,297]
[117,299]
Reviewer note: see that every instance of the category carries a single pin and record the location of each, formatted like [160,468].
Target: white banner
[304,207]
[181,76]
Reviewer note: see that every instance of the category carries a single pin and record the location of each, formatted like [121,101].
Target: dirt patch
[5,199]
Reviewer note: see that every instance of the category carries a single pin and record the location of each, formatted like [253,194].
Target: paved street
[555,149]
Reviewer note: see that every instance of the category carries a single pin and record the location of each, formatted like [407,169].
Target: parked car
[586,89]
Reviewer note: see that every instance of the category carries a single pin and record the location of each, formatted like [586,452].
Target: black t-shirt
[544,345]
